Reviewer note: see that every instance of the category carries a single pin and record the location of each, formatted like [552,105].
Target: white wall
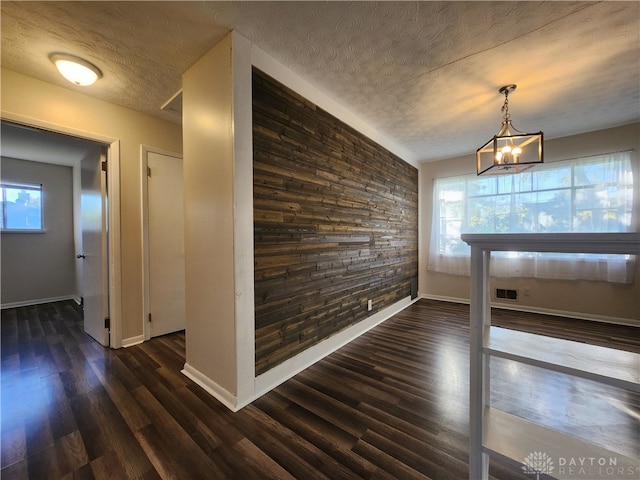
[582,299]
[40,266]
[208,113]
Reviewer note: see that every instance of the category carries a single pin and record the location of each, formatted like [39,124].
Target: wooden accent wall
[335,224]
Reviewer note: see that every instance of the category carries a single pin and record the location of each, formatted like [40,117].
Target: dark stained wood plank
[391,404]
[120,392]
[107,466]
[262,466]
[61,419]
[389,466]
[294,454]
[17,471]
[14,445]
[326,436]
[71,454]
[44,464]
[335,224]
[173,459]
[95,442]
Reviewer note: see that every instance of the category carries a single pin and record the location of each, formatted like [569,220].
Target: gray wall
[40,266]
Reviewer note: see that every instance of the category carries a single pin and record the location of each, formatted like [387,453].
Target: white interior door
[165,204]
[95,287]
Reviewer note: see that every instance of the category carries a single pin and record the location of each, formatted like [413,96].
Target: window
[584,195]
[21,207]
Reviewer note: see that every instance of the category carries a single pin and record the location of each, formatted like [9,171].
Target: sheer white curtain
[594,194]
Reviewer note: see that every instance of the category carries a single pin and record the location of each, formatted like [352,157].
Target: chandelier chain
[505,106]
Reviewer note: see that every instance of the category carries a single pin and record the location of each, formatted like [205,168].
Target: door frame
[144,202]
[113,220]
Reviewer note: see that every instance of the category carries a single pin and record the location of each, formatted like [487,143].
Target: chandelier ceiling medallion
[510,150]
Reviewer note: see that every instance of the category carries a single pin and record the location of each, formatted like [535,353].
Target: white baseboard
[131,341]
[545,311]
[577,315]
[281,373]
[40,301]
[444,298]
[212,388]
[284,371]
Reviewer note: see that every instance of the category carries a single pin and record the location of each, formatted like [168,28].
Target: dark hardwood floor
[393,404]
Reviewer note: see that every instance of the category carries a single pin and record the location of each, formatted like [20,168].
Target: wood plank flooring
[393,404]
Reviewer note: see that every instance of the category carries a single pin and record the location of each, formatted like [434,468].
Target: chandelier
[510,150]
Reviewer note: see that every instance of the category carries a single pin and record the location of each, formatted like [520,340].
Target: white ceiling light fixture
[510,150]
[75,69]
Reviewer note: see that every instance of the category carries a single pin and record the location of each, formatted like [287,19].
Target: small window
[21,207]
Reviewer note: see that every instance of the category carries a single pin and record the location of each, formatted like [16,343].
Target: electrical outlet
[369,305]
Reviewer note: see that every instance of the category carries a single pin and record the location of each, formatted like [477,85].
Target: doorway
[46,143]
[163,238]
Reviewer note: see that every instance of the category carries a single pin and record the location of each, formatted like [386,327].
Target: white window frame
[4,185]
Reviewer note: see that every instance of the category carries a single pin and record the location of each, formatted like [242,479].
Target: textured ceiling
[424,74]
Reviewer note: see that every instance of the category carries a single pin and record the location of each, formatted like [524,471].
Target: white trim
[17,230]
[283,372]
[444,298]
[114,242]
[77,221]
[563,313]
[212,388]
[144,215]
[115,257]
[53,127]
[243,248]
[131,341]
[39,301]
[544,311]
[280,373]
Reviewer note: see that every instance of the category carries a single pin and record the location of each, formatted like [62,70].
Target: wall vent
[506,294]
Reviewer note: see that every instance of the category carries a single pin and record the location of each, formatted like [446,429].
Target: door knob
[81,255]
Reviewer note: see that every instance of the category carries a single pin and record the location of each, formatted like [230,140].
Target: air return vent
[506,294]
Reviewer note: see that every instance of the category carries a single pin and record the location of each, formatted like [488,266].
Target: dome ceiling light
[75,69]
